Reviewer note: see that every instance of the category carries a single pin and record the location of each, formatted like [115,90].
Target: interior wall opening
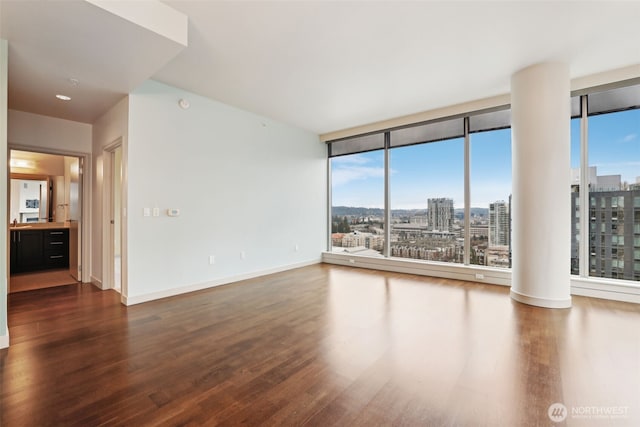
[45,216]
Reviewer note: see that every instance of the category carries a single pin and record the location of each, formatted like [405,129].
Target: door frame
[85,206]
[108,255]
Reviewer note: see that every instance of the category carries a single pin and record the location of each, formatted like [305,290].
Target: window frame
[466,120]
[585,238]
[584,245]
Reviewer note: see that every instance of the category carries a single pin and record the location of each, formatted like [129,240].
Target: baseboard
[625,291]
[96,285]
[97,282]
[138,299]
[469,273]
[4,339]
[540,302]
[615,290]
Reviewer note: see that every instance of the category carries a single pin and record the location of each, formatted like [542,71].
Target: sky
[436,169]
[614,144]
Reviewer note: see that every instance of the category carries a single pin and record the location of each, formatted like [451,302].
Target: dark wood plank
[322,345]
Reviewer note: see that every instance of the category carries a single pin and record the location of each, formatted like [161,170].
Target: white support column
[541,135]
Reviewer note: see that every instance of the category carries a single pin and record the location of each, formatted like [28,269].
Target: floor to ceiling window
[490,182]
[357,196]
[614,158]
[610,155]
[427,191]
[575,185]
[447,186]
[422,182]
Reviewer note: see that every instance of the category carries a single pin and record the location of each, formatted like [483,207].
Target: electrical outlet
[212,259]
[242,255]
[352,261]
[297,247]
[479,276]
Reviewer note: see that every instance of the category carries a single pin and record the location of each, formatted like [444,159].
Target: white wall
[48,133]
[106,130]
[4,330]
[57,136]
[242,183]
[14,204]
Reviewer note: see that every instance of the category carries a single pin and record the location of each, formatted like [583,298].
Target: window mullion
[583,245]
[467,195]
[329,207]
[387,198]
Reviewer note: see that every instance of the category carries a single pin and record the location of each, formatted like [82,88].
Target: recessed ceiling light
[63,97]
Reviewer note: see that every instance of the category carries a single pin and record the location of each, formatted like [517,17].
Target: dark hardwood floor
[322,345]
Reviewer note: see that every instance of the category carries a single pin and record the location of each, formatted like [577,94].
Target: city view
[427,199]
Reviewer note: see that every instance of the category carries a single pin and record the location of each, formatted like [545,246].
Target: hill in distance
[360,211]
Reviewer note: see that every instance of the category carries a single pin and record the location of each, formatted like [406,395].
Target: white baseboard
[138,299]
[491,276]
[4,339]
[540,302]
[97,285]
[97,282]
[615,290]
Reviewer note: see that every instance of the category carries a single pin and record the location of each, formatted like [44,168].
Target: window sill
[470,273]
[611,289]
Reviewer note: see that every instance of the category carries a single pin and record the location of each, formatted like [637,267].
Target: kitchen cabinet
[27,250]
[39,249]
[56,248]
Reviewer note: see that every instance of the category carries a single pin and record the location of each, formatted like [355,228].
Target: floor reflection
[320,345]
[468,349]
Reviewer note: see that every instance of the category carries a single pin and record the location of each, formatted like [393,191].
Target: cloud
[350,160]
[346,169]
[345,175]
[630,137]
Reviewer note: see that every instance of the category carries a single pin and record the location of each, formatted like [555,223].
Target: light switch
[146,212]
[156,211]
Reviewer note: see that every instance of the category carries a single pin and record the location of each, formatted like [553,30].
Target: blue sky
[614,144]
[425,171]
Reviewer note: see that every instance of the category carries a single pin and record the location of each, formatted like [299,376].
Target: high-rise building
[440,213]
[499,224]
[613,214]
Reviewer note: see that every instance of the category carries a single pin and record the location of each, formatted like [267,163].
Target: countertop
[40,226]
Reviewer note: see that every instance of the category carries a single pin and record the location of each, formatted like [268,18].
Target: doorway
[45,214]
[114,210]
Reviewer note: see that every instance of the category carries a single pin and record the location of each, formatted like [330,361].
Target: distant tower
[440,214]
[499,227]
[614,221]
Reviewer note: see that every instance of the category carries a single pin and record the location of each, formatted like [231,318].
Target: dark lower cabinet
[33,250]
[27,250]
[56,248]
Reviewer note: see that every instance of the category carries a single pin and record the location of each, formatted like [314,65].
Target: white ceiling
[51,42]
[320,65]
